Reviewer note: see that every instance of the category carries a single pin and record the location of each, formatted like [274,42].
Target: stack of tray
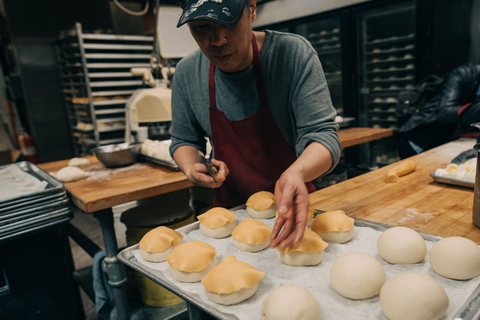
[33,211]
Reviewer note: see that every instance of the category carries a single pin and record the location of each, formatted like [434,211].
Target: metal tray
[469,310]
[171,165]
[53,220]
[53,187]
[346,122]
[36,221]
[455,182]
[34,202]
[10,217]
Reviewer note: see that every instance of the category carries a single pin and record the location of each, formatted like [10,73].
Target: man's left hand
[291,196]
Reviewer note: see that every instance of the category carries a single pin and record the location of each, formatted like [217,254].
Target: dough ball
[290,302]
[75,162]
[69,174]
[251,235]
[231,281]
[413,296]
[191,261]
[261,205]
[357,275]
[456,258]
[309,252]
[217,222]
[158,243]
[401,245]
[334,226]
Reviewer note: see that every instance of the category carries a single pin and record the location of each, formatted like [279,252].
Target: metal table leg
[115,269]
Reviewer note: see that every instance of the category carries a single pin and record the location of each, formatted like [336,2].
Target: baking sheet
[30,202]
[455,182]
[53,185]
[172,165]
[463,295]
[346,122]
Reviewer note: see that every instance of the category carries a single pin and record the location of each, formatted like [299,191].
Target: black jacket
[460,88]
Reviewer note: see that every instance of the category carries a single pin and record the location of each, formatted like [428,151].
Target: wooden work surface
[106,187]
[416,201]
[353,136]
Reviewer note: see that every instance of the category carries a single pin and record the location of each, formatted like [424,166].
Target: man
[262,99]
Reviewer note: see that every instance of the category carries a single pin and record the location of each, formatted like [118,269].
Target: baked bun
[308,253]
[251,235]
[231,281]
[261,205]
[191,261]
[217,222]
[334,226]
[158,243]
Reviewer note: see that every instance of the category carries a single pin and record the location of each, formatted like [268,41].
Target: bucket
[161,211]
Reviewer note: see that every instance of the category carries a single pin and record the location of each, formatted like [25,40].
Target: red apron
[254,149]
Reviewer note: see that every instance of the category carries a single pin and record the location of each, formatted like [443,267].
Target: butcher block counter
[416,201]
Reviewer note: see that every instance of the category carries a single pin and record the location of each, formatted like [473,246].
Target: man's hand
[196,172]
[291,196]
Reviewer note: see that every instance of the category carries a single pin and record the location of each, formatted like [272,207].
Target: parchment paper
[316,279]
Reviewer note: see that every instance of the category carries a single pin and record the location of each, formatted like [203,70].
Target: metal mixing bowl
[117,155]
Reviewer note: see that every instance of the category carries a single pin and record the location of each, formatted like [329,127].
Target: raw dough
[334,226]
[217,222]
[404,168]
[401,245]
[309,252]
[357,275]
[290,302]
[75,162]
[158,243]
[231,281]
[191,261]
[413,296]
[456,258]
[69,174]
[261,205]
[251,235]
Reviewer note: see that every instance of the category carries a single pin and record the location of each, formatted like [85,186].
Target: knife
[317,212]
[212,170]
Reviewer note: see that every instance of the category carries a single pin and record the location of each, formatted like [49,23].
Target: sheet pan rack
[97,83]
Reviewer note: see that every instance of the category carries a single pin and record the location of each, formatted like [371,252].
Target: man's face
[228,48]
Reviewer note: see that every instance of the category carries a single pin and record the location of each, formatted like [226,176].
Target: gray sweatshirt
[296,90]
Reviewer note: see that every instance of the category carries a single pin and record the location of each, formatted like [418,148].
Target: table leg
[115,269]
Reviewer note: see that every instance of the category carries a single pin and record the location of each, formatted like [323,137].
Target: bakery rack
[97,83]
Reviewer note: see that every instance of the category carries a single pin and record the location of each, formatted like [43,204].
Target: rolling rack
[97,83]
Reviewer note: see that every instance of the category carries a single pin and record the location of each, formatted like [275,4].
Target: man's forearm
[313,162]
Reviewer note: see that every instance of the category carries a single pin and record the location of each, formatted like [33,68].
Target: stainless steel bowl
[117,155]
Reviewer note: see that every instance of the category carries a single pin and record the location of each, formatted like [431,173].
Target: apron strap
[211,86]
[257,69]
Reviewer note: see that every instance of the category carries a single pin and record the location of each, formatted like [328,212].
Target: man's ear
[253,9]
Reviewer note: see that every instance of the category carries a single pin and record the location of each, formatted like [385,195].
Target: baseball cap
[224,12]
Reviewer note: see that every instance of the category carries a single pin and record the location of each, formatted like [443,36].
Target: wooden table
[106,188]
[416,201]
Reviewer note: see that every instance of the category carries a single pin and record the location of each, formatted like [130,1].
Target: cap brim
[226,13]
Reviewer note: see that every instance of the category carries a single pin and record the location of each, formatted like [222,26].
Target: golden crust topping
[311,242]
[217,217]
[231,275]
[160,239]
[261,200]
[251,231]
[192,256]
[332,221]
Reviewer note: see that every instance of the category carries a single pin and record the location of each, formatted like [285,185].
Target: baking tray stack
[33,211]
